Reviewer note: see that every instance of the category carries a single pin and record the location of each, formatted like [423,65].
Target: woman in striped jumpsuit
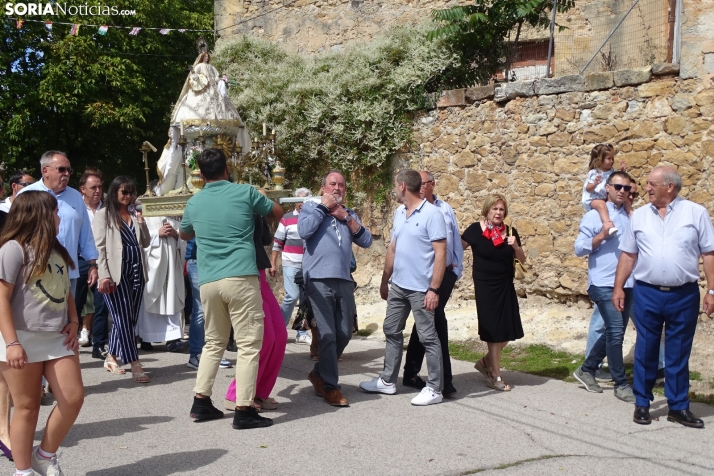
[120,235]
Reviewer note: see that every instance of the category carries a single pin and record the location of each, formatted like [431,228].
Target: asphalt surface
[543,426]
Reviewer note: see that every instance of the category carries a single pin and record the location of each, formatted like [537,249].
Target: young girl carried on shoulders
[602,159]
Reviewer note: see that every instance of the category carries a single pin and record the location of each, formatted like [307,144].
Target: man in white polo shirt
[416,261]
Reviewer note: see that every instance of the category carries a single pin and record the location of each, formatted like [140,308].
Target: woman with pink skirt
[275,335]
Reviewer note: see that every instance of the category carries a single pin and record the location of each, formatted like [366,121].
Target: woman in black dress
[494,246]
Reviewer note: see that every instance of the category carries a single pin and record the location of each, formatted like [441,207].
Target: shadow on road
[108,428]
[181,462]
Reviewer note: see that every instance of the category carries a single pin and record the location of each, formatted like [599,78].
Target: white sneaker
[377,385]
[84,337]
[303,339]
[45,467]
[427,396]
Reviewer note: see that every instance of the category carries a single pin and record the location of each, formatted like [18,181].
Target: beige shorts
[40,346]
[88,304]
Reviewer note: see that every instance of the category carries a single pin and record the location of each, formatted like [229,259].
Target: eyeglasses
[633,195]
[423,184]
[25,184]
[619,187]
[64,170]
[127,192]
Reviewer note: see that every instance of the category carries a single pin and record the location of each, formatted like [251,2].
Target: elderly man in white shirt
[662,245]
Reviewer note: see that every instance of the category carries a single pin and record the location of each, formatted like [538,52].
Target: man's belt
[664,288]
[450,267]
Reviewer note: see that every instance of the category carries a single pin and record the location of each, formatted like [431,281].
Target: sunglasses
[619,187]
[633,195]
[63,170]
[126,192]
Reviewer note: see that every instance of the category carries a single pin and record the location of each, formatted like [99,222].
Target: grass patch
[536,359]
[365,332]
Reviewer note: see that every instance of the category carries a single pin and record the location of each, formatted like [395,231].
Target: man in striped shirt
[288,241]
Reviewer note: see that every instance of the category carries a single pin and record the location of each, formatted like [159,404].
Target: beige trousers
[237,302]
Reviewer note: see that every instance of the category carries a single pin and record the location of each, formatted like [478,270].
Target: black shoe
[449,391]
[203,409]
[660,377]
[414,382]
[146,346]
[247,419]
[99,353]
[685,417]
[232,347]
[642,416]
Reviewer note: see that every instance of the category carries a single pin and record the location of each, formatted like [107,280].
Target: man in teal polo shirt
[220,217]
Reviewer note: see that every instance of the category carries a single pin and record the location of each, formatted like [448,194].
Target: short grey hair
[303,192]
[669,175]
[46,158]
[429,175]
[330,172]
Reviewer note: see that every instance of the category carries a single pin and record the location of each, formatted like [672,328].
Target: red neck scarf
[493,233]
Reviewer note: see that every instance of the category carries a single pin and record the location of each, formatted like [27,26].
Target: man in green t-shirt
[220,217]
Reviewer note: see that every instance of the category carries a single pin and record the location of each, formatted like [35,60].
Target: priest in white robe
[165,293]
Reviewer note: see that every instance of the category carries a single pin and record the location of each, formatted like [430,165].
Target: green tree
[478,34]
[96,97]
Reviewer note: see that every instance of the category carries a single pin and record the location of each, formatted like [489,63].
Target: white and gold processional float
[204,117]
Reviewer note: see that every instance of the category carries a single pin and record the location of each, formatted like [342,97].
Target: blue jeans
[196,333]
[292,294]
[610,343]
[100,325]
[597,329]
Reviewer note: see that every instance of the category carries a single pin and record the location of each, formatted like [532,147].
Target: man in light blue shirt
[663,245]
[416,262]
[454,264]
[602,249]
[75,232]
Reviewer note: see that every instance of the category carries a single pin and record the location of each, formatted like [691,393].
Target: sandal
[314,357]
[480,365]
[113,367]
[498,384]
[267,404]
[140,376]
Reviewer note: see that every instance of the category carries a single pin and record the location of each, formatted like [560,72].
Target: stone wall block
[563,84]
[451,98]
[600,134]
[447,184]
[559,139]
[675,124]
[656,88]
[633,159]
[464,159]
[597,81]
[658,108]
[632,77]
[508,91]
[707,149]
[644,130]
[705,98]
[660,69]
[437,164]
[480,93]
[681,102]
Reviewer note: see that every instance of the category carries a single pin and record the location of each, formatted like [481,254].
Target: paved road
[542,427]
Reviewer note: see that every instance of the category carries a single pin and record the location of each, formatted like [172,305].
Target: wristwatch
[92,265]
[710,291]
[348,218]
[434,290]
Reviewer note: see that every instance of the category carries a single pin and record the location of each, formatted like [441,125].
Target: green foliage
[478,34]
[347,110]
[95,97]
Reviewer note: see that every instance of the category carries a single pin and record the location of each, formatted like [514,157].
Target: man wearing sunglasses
[603,252]
[75,232]
[662,249]
[18,181]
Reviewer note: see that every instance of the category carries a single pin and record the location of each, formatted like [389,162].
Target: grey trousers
[399,303]
[333,303]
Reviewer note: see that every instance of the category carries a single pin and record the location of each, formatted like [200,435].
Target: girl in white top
[38,330]
[602,159]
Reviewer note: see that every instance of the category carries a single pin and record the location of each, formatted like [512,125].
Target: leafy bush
[348,110]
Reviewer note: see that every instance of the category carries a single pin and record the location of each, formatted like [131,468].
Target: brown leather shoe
[335,398]
[318,383]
